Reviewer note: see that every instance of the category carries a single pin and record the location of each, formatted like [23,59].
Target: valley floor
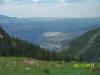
[27,66]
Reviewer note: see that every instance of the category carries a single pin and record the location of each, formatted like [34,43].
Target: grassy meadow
[28,66]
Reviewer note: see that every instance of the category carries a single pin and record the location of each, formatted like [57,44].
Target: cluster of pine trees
[11,46]
[16,47]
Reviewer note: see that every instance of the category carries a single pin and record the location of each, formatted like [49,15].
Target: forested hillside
[11,46]
[86,47]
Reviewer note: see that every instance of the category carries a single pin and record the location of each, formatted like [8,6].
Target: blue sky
[50,8]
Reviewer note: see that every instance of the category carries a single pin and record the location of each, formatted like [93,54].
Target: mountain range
[34,29]
[73,37]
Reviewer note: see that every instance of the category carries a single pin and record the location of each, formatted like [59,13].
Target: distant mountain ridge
[35,28]
[87,46]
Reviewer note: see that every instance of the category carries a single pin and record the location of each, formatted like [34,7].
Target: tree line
[12,46]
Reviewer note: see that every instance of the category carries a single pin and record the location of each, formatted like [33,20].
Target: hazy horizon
[48,17]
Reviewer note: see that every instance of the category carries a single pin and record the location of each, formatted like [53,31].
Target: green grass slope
[87,46]
[27,66]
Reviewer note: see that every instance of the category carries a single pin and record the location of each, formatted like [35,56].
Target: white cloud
[7,7]
[7,0]
[92,0]
[35,0]
[62,1]
[36,5]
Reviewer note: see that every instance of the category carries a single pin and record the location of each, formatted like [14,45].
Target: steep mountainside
[11,46]
[87,46]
